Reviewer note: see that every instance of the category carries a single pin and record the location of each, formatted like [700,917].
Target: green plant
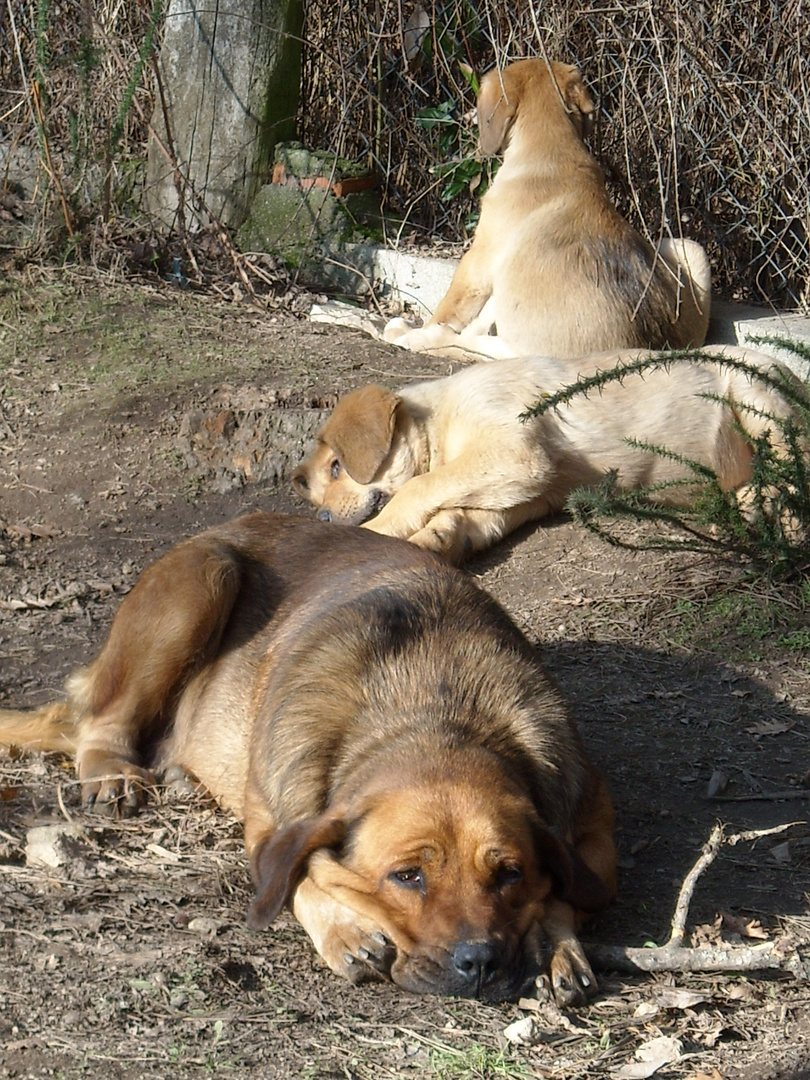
[769,528]
[144,52]
[476,1062]
[460,168]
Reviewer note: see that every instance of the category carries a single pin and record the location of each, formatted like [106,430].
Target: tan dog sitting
[553,266]
[449,465]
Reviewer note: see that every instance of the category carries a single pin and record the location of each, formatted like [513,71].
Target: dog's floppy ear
[574,880]
[581,106]
[277,863]
[361,430]
[496,111]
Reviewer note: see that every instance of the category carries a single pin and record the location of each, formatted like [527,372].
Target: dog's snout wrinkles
[476,961]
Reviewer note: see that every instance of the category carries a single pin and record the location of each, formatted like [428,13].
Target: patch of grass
[743,624]
[113,347]
[477,1062]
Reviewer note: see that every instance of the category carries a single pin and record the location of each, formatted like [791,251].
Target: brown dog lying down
[449,466]
[553,265]
[408,777]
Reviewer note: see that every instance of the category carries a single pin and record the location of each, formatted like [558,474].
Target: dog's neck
[524,150]
[413,433]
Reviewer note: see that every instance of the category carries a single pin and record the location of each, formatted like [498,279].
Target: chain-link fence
[704,126]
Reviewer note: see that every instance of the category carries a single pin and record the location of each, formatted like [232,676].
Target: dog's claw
[370,961]
[571,983]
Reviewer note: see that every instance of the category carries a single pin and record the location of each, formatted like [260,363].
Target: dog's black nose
[324,515]
[477,961]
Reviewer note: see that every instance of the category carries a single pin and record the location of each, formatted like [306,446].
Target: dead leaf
[717,784]
[707,933]
[781,853]
[520,1032]
[163,853]
[673,997]
[650,1057]
[746,928]
[770,727]
[645,1010]
[205,926]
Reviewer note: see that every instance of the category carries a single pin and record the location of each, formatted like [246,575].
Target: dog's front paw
[386,526]
[572,980]
[446,535]
[396,329]
[353,944]
[365,957]
[113,786]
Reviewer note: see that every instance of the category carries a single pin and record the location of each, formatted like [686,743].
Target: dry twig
[675,956]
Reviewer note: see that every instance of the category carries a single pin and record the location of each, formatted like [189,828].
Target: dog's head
[530,85]
[453,871]
[359,460]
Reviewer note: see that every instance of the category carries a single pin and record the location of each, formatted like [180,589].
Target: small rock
[520,1031]
[50,845]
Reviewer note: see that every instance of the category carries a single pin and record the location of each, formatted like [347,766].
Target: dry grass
[704,123]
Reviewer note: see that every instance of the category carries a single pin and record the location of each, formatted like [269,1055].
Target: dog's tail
[50,728]
[690,264]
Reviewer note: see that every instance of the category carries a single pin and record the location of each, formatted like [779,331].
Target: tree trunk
[227,91]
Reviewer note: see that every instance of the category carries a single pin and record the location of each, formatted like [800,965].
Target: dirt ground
[134,414]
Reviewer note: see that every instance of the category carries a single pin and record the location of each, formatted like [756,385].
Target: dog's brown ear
[360,431]
[277,863]
[574,881]
[496,111]
[580,104]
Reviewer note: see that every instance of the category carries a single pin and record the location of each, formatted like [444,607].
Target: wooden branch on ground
[675,956]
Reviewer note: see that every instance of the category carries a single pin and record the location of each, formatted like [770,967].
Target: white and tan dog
[449,465]
[553,266]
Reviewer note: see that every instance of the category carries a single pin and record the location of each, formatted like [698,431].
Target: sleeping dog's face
[360,459]
[455,877]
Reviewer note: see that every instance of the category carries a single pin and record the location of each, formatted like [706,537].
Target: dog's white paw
[396,329]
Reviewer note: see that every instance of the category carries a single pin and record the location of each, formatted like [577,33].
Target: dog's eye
[335,469]
[410,878]
[508,875]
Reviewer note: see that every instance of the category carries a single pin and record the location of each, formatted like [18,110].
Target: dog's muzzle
[478,965]
[376,501]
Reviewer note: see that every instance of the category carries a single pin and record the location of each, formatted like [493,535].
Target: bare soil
[134,414]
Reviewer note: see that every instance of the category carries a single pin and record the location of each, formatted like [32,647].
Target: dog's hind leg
[692,271]
[165,629]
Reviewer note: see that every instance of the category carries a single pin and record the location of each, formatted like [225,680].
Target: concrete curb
[420,281]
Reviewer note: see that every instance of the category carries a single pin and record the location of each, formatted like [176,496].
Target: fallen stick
[765,796]
[675,956]
[628,960]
